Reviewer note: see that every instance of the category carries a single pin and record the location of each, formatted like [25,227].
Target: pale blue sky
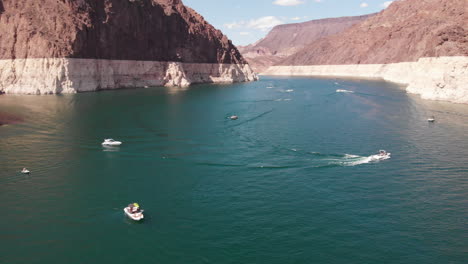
[246,21]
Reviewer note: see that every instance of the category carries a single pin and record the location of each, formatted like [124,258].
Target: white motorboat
[111,142]
[431,119]
[383,155]
[134,212]
[234,117]
[343,91]
[25,171]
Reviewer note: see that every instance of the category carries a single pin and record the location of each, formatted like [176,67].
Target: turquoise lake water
[288,182]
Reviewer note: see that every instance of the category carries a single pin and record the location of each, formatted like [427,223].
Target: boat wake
[253,118]
[286,91]
[346,160]
[354,160]
[300,159]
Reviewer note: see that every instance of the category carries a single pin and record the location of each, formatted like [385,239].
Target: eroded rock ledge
[436,78]
[65,75]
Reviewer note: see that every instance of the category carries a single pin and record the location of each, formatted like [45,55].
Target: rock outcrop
[67,46]
[408,42]
[284,40]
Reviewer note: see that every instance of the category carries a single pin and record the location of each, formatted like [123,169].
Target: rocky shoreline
[436,78]
[65,75]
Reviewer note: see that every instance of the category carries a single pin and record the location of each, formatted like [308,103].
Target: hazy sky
[246,21]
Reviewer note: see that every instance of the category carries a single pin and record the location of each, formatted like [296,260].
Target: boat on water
[134,212]
[111,142]
[383,155]
[343,91]
[234,117]
[431,119]
[25,171]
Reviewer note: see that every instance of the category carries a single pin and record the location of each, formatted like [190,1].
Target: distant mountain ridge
[406,31]
[285,40]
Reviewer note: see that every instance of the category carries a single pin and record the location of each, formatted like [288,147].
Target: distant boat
[111,142]
[343,91]
[234,117]
[25,171]
[431,119]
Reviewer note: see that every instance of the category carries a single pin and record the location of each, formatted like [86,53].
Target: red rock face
[285,40]
[406,31]
[149,30]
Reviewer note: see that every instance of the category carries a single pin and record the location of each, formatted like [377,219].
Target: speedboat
[134,212]
[111,142]
[234,117]
[343,91]
[431,119]
[25,171]
[383,155]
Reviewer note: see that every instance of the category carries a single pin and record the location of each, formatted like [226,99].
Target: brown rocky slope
[285,40]
[116,31]
[406,31]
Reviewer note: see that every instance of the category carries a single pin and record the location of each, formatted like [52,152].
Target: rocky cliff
[421,43]
[406,31]
[52,46]
[284,40]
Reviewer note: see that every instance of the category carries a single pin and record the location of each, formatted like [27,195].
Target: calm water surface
[289,182]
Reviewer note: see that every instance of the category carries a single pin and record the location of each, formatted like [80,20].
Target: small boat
[383,155]
[234,117]
[134,212]
[111,142]
[343,91]
[431,119]
[25,171]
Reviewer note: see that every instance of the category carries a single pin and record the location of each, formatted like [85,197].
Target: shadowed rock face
[406,31]
[285,40]
[147,30]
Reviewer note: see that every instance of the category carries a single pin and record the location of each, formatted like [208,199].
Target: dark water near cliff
[289,182]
